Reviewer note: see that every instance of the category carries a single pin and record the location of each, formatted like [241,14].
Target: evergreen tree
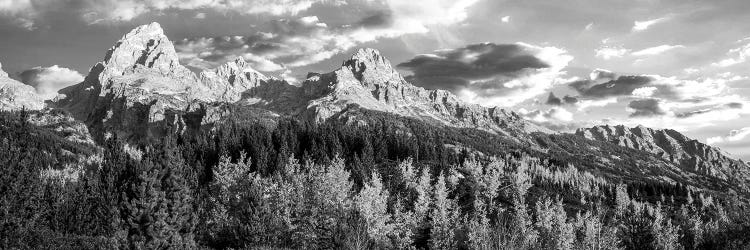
[443,217]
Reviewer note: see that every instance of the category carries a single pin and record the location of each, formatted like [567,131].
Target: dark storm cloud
[623,85]
[727,106]
[570,100]
[380,19]
[734,105]
[553,100]
[457,68]
[646,108]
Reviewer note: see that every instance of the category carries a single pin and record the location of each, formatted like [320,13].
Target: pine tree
[622,200]
[443,218]
[525,235]
[157,205]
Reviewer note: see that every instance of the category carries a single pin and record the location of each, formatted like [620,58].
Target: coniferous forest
[290,185]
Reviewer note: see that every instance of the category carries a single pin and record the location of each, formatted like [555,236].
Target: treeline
[299,185]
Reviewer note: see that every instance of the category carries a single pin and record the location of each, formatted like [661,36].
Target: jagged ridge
[670,145]
[367,79]
[140,83]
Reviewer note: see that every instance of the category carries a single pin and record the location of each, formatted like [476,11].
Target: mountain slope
[15,95]
[672,146]
[141,92]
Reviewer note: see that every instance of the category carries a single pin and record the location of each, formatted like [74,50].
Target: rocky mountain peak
[229,81]
[370,67]
[145,47]
[368,80]
[139,86]
[238,68]
[368,56]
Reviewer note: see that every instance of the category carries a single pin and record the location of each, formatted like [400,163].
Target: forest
[380,185]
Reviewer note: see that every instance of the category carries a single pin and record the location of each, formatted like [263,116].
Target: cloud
[21,12]
[607,53]
[415,16]
[48,80]
[505,19]
[645,91]
[711,108]
[556,101]
[602,84]
[621,86]
[558,119]
[644,25]
[290,43]
[552,115]
[733,136]
[488,73]
[297,42]
[589,26]
[602,75]
[735,56]
[695,101]
[646,107]
[28,12]
[553,100]
[652,51]
[584,104]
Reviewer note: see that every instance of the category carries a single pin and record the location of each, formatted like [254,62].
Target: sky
[678,64]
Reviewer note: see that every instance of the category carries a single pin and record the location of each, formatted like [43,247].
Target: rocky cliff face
[368,80]
[15,95]
[138,89]
[671,146]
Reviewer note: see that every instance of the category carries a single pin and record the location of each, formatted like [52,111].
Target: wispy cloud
[589,26]
[656,50]
[733,136]
[607,53]
[28,12]
[644,25]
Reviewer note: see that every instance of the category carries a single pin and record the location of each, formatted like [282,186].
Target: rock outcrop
[670,145]
[15,95]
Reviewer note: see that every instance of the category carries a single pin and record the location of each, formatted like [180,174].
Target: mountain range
[140,91]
